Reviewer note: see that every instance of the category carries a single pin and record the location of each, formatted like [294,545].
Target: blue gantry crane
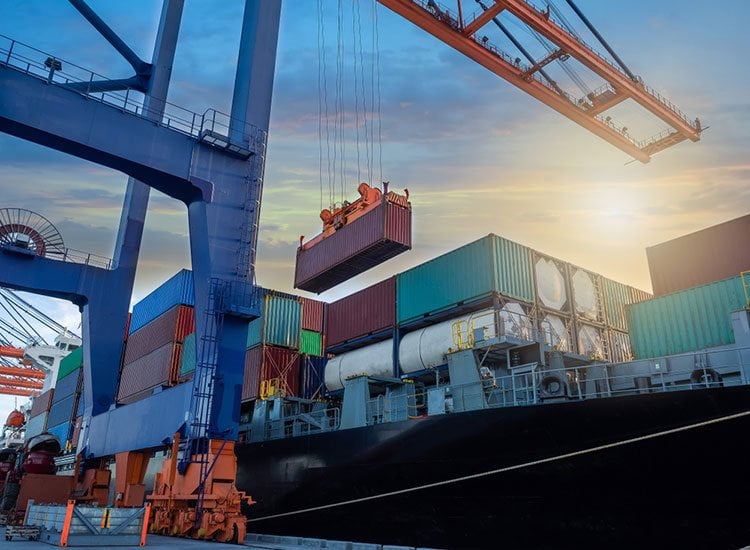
[214,163]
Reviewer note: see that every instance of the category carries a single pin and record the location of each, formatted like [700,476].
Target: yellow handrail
[745,277]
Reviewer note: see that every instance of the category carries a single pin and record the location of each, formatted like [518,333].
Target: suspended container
[370,313]
[178,290]
[71,362]
[551,278]
[170,327]
[312,376]
[279,323]
[313,313]
[468,277]
[273,365]
[355,238]
[709,255]
[684,321]
[161,367]
[586,290]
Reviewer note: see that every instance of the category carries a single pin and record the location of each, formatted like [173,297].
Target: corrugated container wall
[311,343]
[312,314]
[158,368]
[68,385]
[268,362]
[366,242]
[369,311]
[176,291]
[312,380]
[171,326]
[62,411]
[616,297]
[187,362]
[70,363]
[62,432]
[41,403]
[688,320]
[282,319]
[35,425]
[470,273]
[712,254]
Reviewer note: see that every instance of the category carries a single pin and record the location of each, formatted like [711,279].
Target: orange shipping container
[170,327]
[161,367]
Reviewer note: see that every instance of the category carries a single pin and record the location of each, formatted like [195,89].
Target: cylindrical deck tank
[422,349]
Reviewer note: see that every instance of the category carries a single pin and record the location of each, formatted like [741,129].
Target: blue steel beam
[65,120]
[141,68]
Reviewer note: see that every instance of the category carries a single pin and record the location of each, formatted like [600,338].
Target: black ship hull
[684,485]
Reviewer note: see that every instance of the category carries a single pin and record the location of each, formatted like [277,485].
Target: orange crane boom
[22,372]
[461,35]
[10,351]
[20,383]
[17,391]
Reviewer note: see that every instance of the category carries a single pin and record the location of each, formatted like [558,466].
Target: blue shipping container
[35,425]
[62,411]
[67,386]
[62,432]
[176,291]
[312,381]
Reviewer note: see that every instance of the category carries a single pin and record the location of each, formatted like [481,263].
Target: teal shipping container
[470,273]
[684,321]
[616,297]
[187,361]
[279,325]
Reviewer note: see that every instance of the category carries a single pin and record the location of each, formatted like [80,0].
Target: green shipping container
[187,362]
[474,271]
[616,297]
[70,363]
[279,325]
[684,321]
[311,343]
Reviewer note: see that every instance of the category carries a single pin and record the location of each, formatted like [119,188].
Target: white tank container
[556,332]
[585,296]
[422,349]
[550,284]
[591,341]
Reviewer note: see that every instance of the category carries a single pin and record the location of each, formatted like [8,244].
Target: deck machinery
[214,164]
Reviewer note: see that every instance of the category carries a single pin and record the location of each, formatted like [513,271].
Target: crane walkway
[45,100]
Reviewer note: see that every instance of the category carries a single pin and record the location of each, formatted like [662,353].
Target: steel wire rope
[326,117]
[18,318]
[363,88]
[520,466]
[377,86]
[355,4]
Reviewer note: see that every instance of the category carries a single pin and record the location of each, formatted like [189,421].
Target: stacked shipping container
[687,320]
[153,351]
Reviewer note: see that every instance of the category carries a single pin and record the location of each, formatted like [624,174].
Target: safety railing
[304,424]
[86,258]
[54,70]
[495,323]
[534,385]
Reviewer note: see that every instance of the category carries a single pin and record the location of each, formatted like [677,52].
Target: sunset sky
[477,155]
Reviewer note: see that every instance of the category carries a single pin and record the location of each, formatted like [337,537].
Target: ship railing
[211,124]
[496,323]
[533,384]
[304,424]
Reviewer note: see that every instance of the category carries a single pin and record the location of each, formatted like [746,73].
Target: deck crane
[214,164]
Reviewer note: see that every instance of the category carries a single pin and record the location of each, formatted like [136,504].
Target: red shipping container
[76,431]
[709,255]
[363,313]
[369,240]
[161,367]
[268,362]
[172,326]
[312,314]
[41,403]
[127,326]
